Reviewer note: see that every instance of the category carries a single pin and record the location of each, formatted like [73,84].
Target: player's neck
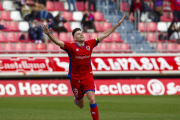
[80,43]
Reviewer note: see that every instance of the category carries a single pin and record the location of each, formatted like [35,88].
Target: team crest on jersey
[77,49]
[88,48]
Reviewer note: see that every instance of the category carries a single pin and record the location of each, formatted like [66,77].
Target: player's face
[78,36]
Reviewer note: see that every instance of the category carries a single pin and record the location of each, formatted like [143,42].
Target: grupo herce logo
[155,87]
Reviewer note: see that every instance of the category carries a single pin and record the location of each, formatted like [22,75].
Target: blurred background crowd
[149,26]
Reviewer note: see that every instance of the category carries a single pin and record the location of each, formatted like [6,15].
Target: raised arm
[52,37]
[109,31]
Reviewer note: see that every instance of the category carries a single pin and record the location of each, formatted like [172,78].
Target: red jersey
[80,59]
[137,6]
[175,5]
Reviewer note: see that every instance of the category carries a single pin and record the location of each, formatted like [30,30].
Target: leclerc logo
[155,87]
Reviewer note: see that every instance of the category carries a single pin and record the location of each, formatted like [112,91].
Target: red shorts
[80,87]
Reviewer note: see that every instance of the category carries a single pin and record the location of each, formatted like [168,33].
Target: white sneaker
[40,41]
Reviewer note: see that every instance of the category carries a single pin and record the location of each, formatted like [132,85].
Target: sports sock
[75,101]
[94,111]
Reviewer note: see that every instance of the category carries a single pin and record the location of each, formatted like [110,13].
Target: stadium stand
[126,37]
[19,48]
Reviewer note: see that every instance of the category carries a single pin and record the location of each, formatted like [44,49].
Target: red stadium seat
[98,26]
[9,48]
[151,5]
[64,37]
[41,48]
[80,6]
[19,35]
[124,47]
[30,48]
[11,37]
[19,47]
[13,26]
[59,50]
[86,6]
[1,49]
[3,38]
[106,26]
[96,49]
[86,36]
[55,34]
[124,6]
[71,39]
[107,39]
[68,16]
[115,37]
[152,26]
[151,37]
[94,35]
[59,6]
[171,48]
[171,16]
[67,26]
[51,47]
[50,6]
[5,16]
[142,27]
[114,47]
[160,47]
[178,47]
[1,8]
[6,26]
[165,17]
[98,16]
[165,4]
[166,7]
[104,47]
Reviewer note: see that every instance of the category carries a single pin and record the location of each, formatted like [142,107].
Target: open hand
[46,30]
[121,20]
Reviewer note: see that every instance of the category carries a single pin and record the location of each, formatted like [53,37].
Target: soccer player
[80,71]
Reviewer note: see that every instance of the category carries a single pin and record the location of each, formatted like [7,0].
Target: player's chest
[85,50]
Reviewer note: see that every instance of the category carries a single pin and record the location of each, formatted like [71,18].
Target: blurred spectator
[35,32]
[69,4]
[49,17]
[173,32]
[161,36]
[157,9]
[26,10]
[32,15]
[175,6]
[2,27]
[92,2]
[42,2]
[84,1]
[58,21]
[50,25]
[137,7]
[88,21]
[19,4]
[41,11]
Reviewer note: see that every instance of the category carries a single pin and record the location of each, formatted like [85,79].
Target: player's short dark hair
[74,31]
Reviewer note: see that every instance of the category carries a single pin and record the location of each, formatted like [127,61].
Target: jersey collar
[80,46]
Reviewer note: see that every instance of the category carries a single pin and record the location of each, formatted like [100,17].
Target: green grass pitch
[110,108]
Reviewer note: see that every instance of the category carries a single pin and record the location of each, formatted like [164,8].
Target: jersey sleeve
[94,42]
[67,46]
